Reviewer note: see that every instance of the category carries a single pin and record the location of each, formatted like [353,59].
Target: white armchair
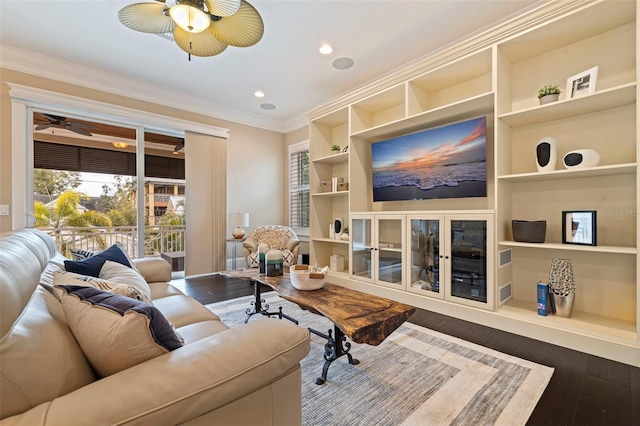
[279,236]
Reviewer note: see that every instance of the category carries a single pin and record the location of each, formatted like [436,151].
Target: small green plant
[550,89]
[346,231]
[335,147]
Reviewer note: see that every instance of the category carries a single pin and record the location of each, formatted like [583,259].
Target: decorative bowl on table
[305,277]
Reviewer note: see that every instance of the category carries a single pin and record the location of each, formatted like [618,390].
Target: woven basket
[526,231]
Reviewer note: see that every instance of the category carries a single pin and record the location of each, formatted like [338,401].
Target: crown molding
[87,108]
[55,69]
[536,15]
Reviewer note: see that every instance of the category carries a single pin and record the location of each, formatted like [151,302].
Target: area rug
[416,376]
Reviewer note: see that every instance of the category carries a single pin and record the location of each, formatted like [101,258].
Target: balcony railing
[157,239]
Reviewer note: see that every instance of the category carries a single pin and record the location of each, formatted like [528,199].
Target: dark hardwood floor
[584,389]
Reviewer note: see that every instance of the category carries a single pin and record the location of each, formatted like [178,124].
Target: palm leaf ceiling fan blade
[147,18]
[222,7]
[44,126]
[242,29]
[198,44]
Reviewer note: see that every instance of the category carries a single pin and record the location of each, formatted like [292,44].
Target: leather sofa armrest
[154,269]
[184,384]
[249,245]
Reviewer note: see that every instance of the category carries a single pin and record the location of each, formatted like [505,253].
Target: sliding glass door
[95,184]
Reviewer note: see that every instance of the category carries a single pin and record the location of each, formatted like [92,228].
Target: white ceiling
[379,36]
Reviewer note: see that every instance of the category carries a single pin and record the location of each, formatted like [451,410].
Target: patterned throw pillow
[287,258]
[79,254]
[70,278]
[115,332]
[253,259]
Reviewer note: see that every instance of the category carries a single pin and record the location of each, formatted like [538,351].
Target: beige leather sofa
[246,375]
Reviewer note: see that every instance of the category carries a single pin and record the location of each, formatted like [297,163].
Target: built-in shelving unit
[497,75]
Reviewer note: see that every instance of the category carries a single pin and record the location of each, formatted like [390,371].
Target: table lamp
[238,221]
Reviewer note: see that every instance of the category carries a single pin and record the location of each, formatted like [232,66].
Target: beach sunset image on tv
[444,162]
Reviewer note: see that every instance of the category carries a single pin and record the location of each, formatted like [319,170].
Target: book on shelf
[543,298]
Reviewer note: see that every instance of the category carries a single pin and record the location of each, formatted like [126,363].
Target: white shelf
[572,247]
[580,322]
[615,169]
[343,157]
[598,101]
[392,249]
[330,194]
[331,240]
[468,108]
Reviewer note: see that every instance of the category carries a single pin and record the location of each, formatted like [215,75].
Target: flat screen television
[443,162]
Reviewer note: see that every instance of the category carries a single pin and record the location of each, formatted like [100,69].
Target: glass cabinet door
[361,248]
[426,247]
[468,239]
[388,249]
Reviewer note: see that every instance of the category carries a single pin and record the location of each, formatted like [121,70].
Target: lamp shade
[239,219]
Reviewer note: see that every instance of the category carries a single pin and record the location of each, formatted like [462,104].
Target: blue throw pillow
[91,265]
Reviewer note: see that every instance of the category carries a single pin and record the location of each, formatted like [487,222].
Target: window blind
[299,188]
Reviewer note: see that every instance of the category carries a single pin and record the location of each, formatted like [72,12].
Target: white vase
[546,154]
[581,159]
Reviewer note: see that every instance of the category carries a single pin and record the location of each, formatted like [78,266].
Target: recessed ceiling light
[268,107]
[325,49]
[120,145]
[259,94]
[343,63]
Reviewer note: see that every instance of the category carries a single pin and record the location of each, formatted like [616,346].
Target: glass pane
[165,203]
[390,266]
[390,250]
[469,259]
[361,245]
[425,255]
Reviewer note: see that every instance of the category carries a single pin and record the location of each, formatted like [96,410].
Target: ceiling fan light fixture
[190,18]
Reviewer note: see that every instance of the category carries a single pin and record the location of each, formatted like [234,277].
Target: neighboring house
[162,196]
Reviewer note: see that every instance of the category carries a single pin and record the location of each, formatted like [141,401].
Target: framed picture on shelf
[579,227]
[582,84]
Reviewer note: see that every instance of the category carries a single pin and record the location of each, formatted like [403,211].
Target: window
[299,187]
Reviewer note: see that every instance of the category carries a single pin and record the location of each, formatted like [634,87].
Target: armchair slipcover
[278,236]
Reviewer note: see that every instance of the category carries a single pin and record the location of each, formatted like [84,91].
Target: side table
[234,242]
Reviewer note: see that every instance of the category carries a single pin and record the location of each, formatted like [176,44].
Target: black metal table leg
[259,306]
[333,349]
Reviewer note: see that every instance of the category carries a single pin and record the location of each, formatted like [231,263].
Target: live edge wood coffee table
[362,317]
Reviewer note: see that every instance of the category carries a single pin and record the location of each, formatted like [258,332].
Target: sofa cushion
[71,278]
[92,265]
[117,273]
[183,310]
[115,332]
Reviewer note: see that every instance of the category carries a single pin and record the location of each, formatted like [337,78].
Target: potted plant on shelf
[345,234]
[335,149]
[548,93]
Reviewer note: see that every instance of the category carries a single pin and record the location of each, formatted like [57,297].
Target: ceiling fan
[178,146]
[63,123]
[199,27]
